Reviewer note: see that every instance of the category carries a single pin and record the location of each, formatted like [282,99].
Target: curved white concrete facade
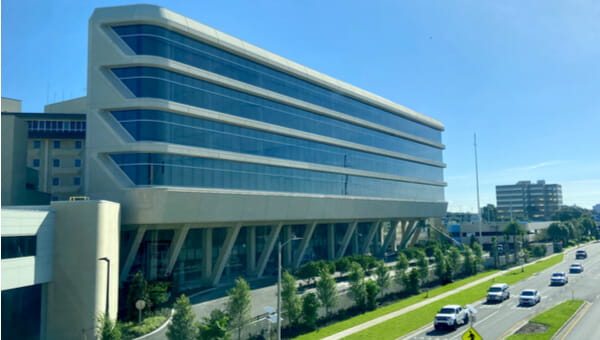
[148,206]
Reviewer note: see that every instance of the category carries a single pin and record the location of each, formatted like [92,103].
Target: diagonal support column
[416,234]
[331,241]
[139,236]
[370,235]
[206,255]
[310,229]
[389,237]
[251,250]
[225,252]
[175,248]
[346,239]
[264,256]
[408,233]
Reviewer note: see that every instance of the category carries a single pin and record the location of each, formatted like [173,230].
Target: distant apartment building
[526,200]
[54,147]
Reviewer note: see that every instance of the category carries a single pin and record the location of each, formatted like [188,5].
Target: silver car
[529,297]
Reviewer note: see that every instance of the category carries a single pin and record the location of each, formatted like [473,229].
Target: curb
[160,328]
[568,322]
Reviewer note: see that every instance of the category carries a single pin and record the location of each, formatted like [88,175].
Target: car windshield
[447,311]
[557,274]
[575,265]
[495,289]
[528,293]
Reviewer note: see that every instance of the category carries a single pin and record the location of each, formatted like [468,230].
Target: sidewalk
[410,308]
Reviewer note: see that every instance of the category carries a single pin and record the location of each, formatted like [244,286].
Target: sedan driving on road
[576,268]
[559,278]
[529,297]
[580,254]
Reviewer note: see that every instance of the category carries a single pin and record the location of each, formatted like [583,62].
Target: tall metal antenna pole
[477,184]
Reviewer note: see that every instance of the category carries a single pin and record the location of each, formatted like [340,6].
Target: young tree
[383,277]
[468,262]
[411,282]
[422,266]
[358,290]
[182,326]
[310,306]
[372,290]
[441,266]
[238,305]
[214,327]
[290,302]
[514,229]
[326,290]
[107,329]
[494,251]
[477,256]
[453,261]
[401,267]
[138,290]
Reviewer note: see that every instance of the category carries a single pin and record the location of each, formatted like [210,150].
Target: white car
[530,297]
[576,268]
[559,278]
[451,316]
[498,292]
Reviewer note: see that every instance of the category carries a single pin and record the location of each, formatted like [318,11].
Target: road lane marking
[576,320]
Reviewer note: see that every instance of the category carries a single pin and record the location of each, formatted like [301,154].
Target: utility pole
[477,185]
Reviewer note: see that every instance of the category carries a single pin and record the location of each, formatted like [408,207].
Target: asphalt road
[498,320]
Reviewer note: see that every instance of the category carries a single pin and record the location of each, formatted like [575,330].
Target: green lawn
[554,317]
[342,325]
[410,321]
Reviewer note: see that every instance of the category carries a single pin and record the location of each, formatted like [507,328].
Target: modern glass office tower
[218,149]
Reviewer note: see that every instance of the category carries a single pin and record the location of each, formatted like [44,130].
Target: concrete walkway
[392,315]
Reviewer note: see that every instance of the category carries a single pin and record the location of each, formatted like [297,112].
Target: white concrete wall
[11,105]
[30,270]
[77,105]
[85,231]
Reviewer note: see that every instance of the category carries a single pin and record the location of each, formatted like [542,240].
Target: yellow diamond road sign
[471,334]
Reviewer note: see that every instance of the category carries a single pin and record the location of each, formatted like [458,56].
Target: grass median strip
[416,319]
[554,318]
[357,320]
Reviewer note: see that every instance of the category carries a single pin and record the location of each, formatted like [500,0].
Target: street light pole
[280,245]
[107,282]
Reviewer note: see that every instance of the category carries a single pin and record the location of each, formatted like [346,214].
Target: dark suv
[580,254]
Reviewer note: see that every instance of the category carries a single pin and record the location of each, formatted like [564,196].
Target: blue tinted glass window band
[174,170]
[158,41]
[154,82]
[161,126]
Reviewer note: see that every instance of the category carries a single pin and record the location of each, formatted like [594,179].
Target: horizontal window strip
[159,41]
[159,83]
[155,125]
[176,170]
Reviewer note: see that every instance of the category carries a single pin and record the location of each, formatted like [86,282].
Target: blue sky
[523,75]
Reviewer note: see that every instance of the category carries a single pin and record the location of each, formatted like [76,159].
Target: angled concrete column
[225,252]
[415,236]
[388,238]
[139,236]
[206,255]
[308,232]
[372,231]
[408,233]
[346,239]
[251,250]
[331,241]
[175,248]
[264,257]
